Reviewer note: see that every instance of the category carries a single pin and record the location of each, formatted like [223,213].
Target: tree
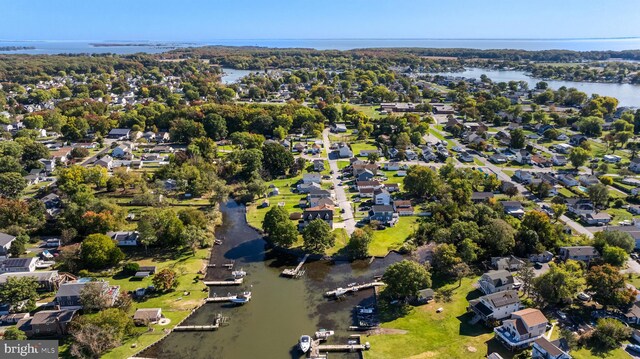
[609,333]
[358,246]
[93,297]
[404,279]
[281,231]
[561,283]
[608,286]
[99,251]
[499,237]
[599,195]
[165,280]
[13,333]
[317,236]
[276,159]
[20,293]
[422,182]
[12,184]
[618,239]
[518,139]
[615,256]
[578,156]
[93,335]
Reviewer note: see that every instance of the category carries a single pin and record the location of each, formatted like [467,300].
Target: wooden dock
[340,291]
[237,281]
[297,271]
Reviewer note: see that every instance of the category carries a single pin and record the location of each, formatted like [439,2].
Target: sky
[202,20]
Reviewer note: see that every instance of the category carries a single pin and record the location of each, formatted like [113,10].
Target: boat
[304,343]
[340,291]
[238,273]
[241,298]
[323,334]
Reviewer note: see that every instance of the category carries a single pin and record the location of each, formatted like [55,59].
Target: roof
[548,347]
[531,317]
[147,313]
[5,239]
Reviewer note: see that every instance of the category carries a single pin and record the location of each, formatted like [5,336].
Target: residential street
[349,222]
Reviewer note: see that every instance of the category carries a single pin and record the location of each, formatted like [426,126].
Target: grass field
[437,335]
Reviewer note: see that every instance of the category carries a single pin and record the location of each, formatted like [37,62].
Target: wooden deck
[355,288]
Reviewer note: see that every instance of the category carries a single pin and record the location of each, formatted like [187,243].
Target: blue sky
[201,20]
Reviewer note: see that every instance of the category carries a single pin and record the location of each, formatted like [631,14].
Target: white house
[524,327]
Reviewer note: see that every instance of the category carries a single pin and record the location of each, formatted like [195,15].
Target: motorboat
[238,273]
[323,334]
[304,343]
[241,298]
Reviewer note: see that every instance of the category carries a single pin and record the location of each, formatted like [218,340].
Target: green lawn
[392,238]
[437,335]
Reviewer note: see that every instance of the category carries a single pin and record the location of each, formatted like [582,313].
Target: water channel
[281,309]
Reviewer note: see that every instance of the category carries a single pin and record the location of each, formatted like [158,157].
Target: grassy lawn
[175,305]
[392,238]
[437,335]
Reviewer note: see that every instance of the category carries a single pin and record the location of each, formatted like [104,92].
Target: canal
[280,310]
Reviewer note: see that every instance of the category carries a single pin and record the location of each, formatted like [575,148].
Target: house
[510,263]
[596,219]
[5,243]
[13,265]
[119,134]
[324,213]
[383,214]
[68,295]
[105,161]
[578,253]
[495,281]
[125,238]
[576,140]
[634,166]
[318,165]
[588,180]
[146,316]
[524,327]
[559,160]
[403,207]
[544,349]
[479,197]
[47,323]
[495,306]
[344,151]
[381,197]
[48,281]
[311,178]
[513,208]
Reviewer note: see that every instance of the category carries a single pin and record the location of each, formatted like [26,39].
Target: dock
[237,281]
[341,291]
[297,271]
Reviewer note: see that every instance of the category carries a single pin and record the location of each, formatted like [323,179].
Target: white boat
[304,343]
[238,273]
[340,291]
[323,334]
[241,298]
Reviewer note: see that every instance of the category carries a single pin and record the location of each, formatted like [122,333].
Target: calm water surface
[280,310]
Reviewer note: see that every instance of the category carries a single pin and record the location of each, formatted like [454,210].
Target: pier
[341,291]
[297,271]
[237,281]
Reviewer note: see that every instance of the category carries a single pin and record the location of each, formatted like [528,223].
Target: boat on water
[304,343]
[241,298]
[323,334]
[238,274]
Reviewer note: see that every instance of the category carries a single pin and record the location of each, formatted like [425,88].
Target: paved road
[349,223]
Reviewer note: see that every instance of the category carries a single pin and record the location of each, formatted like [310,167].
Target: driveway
[349,222]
